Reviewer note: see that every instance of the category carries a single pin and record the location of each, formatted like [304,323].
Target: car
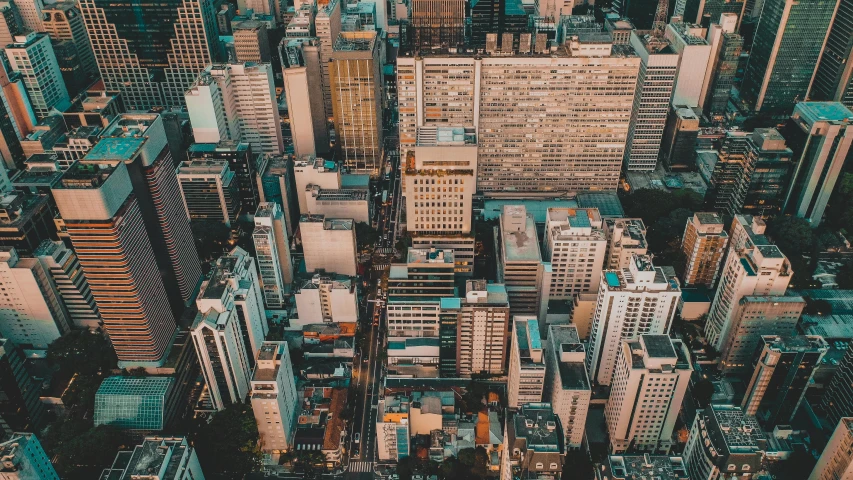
[356,437]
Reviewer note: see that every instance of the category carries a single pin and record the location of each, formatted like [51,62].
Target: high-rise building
[707,12]
[327,24]
[751,174]
[626,237]
[725,55]
[497,17]
[526,363]
[329,244]
[694,52]
[17,120]
[11,23]
[652,366]
[272,250]
[243,161]
[139,141]
[325,299]
[833,80]
[838,399]
[63,22]
[311,171]
[755,317]
[20,407]
[355,73]
[274,398]
[26,220]
[209,190]
[437,23]
[567,385]
[576,245]
[533,443]
[658,70]
[836,460]
[723,441]
[173,458]
[520,151]
[784,367]
[753,266]
[678,146]
[275,184]
[426,273]
[152,58]
[32,313]
[483,326]
[520,265]
[704,245]
[237,102]
[31,14]
[64,267]
[32,56]
[24,458]
[304,92]
[106,225]
[251,42]
[817,132]
[786,48]
[634,301]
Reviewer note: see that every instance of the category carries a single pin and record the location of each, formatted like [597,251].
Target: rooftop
[135,386]
[521,245]
[155,458]
[115,148]
[86,175]
[130,125]
[658,346]
[573,375]
[658,467]
[739,432]
[824,112]
[537,424]
[19,208]
[429,255]
[796,343]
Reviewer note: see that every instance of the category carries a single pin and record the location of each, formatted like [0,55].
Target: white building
[274,398]
[413,317]
[658,71]
[32,314]
[567,382]
[329,244]
[482,329]
[634,301]
[753,267]
[836,461]
[526,363]
[354,203]
[694,54]
[648,388]
[164,458]
[325,299]
[311,171]
[520,265]
[626,237]
[272,251]
[576,246]
[32,56]
[236,101]
[392,431]
[68,276]
[25,459]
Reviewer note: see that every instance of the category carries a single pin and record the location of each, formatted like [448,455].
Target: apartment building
[704,245]
[526,363]
[567,386]
[576,246]
[626,237]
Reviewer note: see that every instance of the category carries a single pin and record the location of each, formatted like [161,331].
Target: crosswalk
[357,467]
[379,268]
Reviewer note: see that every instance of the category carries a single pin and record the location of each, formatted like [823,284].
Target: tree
[211,238]
[365,235]
[70,442]
[651,204]
[702,392]
[82,352]
[795,238]
[228,445]
[405,468]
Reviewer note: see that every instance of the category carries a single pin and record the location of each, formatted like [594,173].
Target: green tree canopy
[211,238]
[365,235]
[228,445]
[83,352]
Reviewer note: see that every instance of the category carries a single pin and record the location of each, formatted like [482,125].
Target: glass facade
[132,403]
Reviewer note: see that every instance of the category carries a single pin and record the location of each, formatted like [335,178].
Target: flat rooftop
[658,467]
[522,246]
[85,175]
[222,272]
[115,149]
[429,255]
[658,346]
[824,112]
[130,125]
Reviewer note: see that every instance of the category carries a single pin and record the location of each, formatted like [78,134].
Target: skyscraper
[437,23]
[568,383]
[723,442]
[754,317]
[63,22]
[151,51]
[105,223]
[327,24]
[704,245]
[836,460]
[210,191]
[274,398]
[520,265]
[838,400]
[526,363]
[786,48]
[329,244]
[725,55]
[783,370]
[833,80]
[575,245]
[32,56]
[272,251]
[64,267]
[24,457]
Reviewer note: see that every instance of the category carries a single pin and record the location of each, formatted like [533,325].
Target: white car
[356,437]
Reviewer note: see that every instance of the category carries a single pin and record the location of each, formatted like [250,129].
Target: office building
[634,301]
[496,17]
[32,313]
[64,268]
[526,363]
[658,70]
[678,147]
[274,399]
[169,458]
[576,245]
[653,366]
[723,442]
[25,221]
[755,317]
[704,246]
[753,267]
[783,370]
[100,209]
[751,173]
[354,203]
[786,49]
[24,458]
[325,299]
[356,85]
[392,431]
[32,56]
[437,23]
[272,251]
[251,42]
[153,59]
[725,56]
[20,407]
[567,386]
[133,403]
[626,237]
[236,102]
[585,149]
[627,467]
[327,24]
[411,316]
[209,190]
[275,184]
[833,78]
[426,273]
[63,22]
[836,460]
[329,244]
[533,443]
[243,160]
[694,52]
[310,171]
[838,399]
[11,23]
[303,89]
[17,121]
[483,326]
[817,132]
